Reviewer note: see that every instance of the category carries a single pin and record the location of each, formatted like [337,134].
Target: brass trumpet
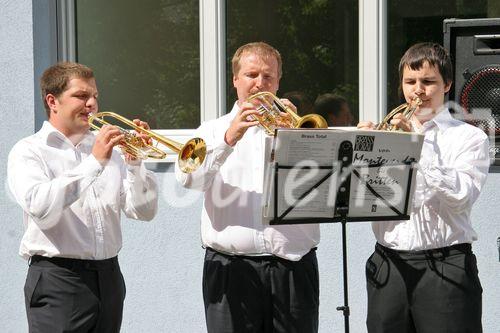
[407,109]
[270,118]
[190,155]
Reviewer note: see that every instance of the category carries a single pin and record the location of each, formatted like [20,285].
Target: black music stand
[341,210]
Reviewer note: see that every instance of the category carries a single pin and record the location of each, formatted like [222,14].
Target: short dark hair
[329,104]
[433,53]
[261,49]
[55,79]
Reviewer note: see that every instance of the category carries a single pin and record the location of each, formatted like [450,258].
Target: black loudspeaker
[474,46]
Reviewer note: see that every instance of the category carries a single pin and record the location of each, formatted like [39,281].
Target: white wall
[162,260]
[17,120]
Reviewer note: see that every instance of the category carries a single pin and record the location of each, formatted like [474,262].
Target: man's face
[256,75]
[428,84]
[344,117]
[69,112]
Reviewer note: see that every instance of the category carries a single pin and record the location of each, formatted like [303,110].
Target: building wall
[17,120]
[162,259]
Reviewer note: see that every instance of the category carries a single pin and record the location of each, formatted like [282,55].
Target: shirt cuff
[136,171]
[221,150]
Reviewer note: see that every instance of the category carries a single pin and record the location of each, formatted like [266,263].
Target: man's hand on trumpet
[146,140]
[366,125]
[241,123]
[399,121]
[145,137]
[286,119]
[108,137]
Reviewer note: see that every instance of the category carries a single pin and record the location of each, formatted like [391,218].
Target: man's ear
[51,101]
[447,87]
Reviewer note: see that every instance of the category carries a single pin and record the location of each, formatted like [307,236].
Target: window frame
[372,59]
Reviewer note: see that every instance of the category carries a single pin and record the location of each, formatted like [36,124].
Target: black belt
[71,263]
[462,248]
[264,256]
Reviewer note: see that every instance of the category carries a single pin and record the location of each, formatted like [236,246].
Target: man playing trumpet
[423,276]
[256,278]
[72,186]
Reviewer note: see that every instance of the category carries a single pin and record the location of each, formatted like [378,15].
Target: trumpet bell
[192,155]
[312,121]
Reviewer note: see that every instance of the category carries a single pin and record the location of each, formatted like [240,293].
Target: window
[146,58]
[318,41]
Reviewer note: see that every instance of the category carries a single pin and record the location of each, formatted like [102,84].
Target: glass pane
[410,22]
[318,41]
[145,56]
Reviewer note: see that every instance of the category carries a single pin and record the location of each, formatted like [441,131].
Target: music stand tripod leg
[345,308]
[342,208]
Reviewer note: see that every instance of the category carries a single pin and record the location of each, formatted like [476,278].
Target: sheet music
[375,191]
[312,149]
[393,153]
[316,145]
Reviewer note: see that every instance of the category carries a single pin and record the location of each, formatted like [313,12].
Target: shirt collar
[50,134]
[234,110]
[443,120]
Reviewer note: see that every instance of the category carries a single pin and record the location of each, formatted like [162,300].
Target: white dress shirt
[232,181]
[71,203]
[452,170]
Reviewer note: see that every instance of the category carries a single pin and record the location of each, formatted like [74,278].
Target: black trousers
[424,291]
[260,294]
[71,295]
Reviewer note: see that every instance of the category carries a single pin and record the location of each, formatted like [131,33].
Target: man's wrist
[228,141]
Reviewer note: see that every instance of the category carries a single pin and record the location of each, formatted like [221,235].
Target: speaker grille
[481,92]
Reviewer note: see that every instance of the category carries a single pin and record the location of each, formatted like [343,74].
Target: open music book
[380,184]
